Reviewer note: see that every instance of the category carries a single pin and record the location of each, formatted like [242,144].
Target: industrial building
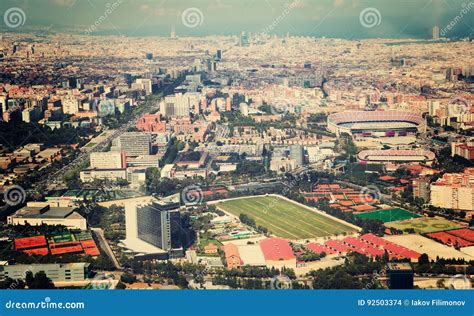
[47,215]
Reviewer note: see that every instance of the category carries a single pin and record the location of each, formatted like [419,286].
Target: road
[104,245]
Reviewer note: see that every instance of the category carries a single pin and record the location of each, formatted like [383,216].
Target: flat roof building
[39,215]
[135,144]
[107,160]
[57,272]
[278,253]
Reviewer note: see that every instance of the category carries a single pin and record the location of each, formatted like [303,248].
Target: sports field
[425,225]
[388,215]
[285,219]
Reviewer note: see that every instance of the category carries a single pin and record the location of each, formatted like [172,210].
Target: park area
[286,219]
[425,225]
[388,215]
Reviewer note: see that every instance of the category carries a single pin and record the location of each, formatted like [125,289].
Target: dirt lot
[430,247]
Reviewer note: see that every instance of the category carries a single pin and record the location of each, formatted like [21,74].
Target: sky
[351,19]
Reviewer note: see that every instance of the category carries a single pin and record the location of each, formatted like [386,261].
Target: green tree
[441,283]
[39,281]
[423,259]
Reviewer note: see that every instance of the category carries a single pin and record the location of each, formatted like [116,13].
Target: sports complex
[376,123]
[388,215]
[396,156]
[285,218]
[425,225]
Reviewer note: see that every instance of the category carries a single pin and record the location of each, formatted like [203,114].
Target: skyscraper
[436,33]
[153,227]
[173,32]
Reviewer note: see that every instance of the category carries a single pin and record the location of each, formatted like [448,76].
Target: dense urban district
[243,162]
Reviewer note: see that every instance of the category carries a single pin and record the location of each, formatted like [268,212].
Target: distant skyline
[329,18]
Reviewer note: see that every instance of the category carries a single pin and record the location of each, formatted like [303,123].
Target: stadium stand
[365,122]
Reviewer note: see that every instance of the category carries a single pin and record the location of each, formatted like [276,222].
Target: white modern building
[107,160]
[152,228]
[90,175]
[57,272]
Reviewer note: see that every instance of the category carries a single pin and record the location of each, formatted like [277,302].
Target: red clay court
[29,242]
[450,239]
[464,233]
[81,243]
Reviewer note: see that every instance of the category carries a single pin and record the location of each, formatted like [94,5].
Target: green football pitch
[388,215]
[285,219]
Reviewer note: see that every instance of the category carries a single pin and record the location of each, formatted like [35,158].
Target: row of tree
[37,281]
[251,222]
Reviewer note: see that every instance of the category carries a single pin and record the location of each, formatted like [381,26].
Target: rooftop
[276,249]
[44,212]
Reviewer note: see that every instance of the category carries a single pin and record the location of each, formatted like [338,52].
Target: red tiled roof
[392,248]
[317,248]
[387,178]
[231,250]
[276,249]
[337,245]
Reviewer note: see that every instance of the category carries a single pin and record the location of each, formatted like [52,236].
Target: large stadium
[396,156]
[376,123]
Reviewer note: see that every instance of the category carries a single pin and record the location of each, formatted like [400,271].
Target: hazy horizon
[319,18]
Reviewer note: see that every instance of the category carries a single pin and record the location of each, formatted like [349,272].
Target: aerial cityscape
[220,144]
